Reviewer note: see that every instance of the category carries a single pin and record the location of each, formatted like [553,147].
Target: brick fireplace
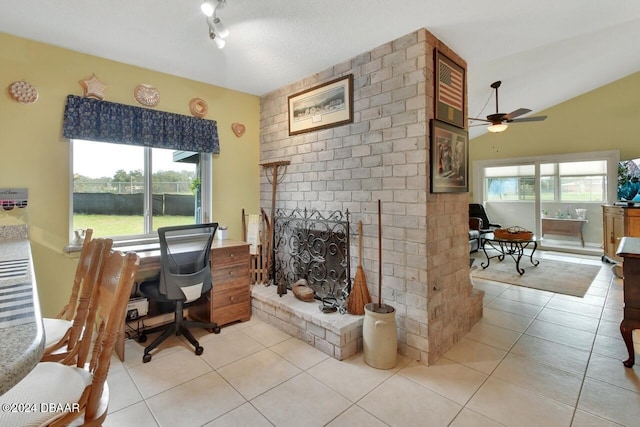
[384,154]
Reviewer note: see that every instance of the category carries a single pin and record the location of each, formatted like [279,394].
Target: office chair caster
[142,338]
[199,350]
[146,358]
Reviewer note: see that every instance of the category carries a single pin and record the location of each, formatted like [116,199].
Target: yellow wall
[34,154]
[606,118]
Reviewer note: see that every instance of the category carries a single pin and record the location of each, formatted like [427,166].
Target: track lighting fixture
[217,31]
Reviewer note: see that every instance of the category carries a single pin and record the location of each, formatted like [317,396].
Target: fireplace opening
[314,246]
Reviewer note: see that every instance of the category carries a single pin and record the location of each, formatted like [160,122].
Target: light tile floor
[535,359]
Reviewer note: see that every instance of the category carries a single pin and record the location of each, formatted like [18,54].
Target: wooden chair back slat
[69,311]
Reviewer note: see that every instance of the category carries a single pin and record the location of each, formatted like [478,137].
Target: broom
[359,295]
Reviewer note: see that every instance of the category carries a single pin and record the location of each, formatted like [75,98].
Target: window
[561,182]
[583,181]
[126,191]
[509,183]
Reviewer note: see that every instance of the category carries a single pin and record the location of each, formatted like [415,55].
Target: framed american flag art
[450,91]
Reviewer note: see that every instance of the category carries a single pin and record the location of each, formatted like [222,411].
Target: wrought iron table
[512,247]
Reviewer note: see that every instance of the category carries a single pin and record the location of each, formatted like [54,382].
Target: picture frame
[449,158]
[450,93]
[324,106]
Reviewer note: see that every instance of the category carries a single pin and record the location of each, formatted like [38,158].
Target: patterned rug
[555,276]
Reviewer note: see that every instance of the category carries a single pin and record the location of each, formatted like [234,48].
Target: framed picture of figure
[449,158]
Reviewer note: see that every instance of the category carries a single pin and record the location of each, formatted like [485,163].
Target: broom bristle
[359,296]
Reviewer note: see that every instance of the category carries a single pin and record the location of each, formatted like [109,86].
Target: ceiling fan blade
[529,119]
[478,119]
[477,124]
[512,115]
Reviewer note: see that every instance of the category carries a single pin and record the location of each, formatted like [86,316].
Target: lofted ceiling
[544,52]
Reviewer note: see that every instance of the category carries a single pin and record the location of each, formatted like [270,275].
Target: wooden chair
[57,328]
[69,310]
[79,394]
[61,334]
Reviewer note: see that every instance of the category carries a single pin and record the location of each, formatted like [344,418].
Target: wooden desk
[629,250]
[564,227]
[230,298]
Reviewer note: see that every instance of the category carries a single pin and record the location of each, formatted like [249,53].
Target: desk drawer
[232,313]
[230,274]
[229,303]
[233,255]
[229,295]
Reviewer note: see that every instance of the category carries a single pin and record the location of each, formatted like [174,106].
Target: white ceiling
[544,51]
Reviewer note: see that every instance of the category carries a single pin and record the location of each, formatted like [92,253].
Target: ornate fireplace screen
[311,246]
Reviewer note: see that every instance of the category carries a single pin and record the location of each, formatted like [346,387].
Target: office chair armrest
[495,225]
[475,223]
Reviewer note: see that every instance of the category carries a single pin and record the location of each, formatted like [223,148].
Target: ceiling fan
[499,120]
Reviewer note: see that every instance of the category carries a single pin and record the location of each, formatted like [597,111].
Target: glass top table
[512,247]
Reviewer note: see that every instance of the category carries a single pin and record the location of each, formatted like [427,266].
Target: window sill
[135,245]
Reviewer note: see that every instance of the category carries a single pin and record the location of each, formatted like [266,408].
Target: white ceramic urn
[380,336]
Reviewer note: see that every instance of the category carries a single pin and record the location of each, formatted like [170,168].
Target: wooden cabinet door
[612,230]
[632,225]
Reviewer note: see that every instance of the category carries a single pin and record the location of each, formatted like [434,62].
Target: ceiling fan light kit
[497,127]
[217,31]
[499,120]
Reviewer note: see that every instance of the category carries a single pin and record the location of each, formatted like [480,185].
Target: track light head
[207,8]
[217,30]
[219,41]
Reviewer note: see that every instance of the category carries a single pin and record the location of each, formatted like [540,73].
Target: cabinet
[630,250]
[231,294]
[618,221]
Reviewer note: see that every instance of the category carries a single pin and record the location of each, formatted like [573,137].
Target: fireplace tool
[274,179]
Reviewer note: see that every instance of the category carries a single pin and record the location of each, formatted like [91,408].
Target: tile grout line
[584,376]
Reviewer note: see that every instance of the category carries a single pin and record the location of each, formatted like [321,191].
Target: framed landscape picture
[450,91]
[327,105]
[449,158]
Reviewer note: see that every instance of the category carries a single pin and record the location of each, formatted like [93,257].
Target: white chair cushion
[45,392]
[54,330]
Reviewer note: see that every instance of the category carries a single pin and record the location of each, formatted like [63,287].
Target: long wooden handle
[360,243]
[379,253]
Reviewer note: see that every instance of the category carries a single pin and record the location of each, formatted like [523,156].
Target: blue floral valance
[95,120]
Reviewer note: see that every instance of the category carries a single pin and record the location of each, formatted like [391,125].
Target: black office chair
[185,275]
[476,210]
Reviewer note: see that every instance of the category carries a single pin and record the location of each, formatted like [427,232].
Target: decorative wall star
[93,88]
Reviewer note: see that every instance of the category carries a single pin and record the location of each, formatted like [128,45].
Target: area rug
[555,276]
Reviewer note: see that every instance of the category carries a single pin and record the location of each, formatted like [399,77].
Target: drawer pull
[232,256]
[232,299]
